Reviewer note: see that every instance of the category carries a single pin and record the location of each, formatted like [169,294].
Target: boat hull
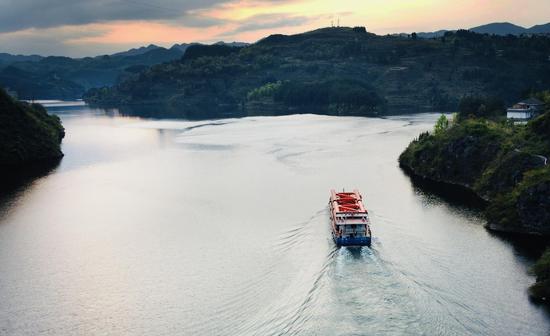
[349,241]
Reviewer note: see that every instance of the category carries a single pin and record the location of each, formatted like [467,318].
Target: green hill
[28,133]
[503,163]
[398,73]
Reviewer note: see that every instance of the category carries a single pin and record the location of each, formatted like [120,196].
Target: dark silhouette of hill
[57,77]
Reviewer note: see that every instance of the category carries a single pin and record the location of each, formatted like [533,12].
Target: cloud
[81,28]
[50,41]
[145,32]
[24,14]
[92,27]
[270,21]
[197,21]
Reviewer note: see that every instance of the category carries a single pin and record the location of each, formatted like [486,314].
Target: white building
[525,110]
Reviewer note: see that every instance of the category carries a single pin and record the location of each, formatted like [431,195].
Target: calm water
[220,228]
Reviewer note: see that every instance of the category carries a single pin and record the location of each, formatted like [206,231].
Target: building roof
[531,101]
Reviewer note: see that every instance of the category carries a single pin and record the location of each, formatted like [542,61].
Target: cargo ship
[349,219]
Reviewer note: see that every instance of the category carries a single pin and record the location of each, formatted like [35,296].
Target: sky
[80,28]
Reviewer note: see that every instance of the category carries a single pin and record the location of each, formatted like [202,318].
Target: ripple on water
[142,210]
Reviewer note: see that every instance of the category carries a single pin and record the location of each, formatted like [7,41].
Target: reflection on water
[15,181]
[221,228]
[454,194]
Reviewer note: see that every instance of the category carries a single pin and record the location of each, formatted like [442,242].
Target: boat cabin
[350,219]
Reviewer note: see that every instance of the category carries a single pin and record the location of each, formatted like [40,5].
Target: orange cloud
[136,32]
[250,20]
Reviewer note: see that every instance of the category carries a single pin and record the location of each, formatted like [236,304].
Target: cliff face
[532,206]
[27,133]
[506,173]
[525,208]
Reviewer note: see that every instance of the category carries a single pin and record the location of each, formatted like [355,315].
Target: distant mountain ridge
[496,28]
[6,58]
[435,34]
[59,77]
[499,28]
[181,47]
[540,29]
[137,51]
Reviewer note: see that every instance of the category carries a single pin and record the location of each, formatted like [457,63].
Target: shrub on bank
[541,289]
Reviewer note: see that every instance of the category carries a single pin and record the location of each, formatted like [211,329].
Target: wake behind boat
[349,219]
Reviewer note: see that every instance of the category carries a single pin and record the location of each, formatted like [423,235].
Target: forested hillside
[28,133]
[58,77]
[338,71]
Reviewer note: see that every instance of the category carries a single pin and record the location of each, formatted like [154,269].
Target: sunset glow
[137,23]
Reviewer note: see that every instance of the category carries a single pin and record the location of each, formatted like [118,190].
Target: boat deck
[347,208]
[349,218]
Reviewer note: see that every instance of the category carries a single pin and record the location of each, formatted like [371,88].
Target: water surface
[220,227]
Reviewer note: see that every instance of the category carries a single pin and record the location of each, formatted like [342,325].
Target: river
[220,227]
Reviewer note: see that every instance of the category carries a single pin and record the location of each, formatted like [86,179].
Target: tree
[480,107]
[441,125]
